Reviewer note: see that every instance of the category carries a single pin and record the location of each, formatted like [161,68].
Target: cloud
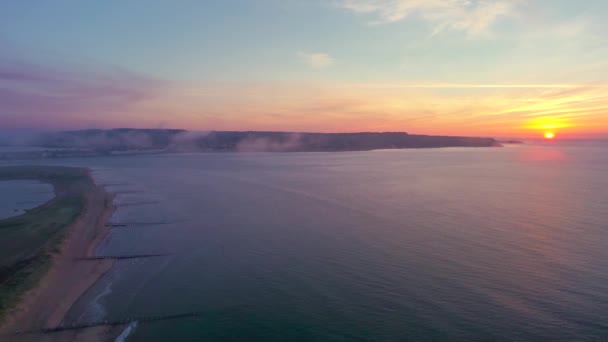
[473,17]
[68,98]
[282,143]
[433,108]
[470,86]
[316,60]
[56,96]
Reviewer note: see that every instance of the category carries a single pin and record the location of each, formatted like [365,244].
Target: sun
[549,135]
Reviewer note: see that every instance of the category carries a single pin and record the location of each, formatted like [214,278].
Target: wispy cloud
[316,60]
[473,17]
[44,97]
[470,86]
[458,109]
[58,96]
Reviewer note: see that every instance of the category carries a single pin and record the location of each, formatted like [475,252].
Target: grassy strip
[28,241]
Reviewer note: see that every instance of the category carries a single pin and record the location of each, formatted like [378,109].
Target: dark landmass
[322,142]
[126,140]
[109,140]
[510,142]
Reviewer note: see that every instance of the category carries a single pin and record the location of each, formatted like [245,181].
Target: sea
[454,244]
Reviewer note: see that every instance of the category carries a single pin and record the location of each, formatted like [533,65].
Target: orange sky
[458,109]
[499,68]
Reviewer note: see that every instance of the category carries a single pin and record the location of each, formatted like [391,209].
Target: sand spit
[67,280]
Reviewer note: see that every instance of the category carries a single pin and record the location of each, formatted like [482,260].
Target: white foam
[125,333]
[96,311]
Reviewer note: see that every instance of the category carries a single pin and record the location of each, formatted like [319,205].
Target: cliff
[125,140]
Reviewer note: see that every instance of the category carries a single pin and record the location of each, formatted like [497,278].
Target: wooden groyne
[124,321]
[30,202]
[130,224]
[114,184]
[124,257]
[135,203]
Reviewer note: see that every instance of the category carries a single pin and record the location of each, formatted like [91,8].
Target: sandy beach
[69,278]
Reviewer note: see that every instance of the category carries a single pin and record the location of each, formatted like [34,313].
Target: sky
[503,68]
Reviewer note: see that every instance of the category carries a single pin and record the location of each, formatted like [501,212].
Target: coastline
[68,278]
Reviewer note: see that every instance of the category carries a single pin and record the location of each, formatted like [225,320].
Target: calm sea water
[446,244]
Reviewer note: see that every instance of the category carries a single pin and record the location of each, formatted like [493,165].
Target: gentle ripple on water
[458,244]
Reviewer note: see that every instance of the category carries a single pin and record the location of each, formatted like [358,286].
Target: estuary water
[443,244]
[17,196]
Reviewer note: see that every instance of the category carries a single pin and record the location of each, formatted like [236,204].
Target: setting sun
[549,135]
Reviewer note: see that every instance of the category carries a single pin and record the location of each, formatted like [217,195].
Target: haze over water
[461,244]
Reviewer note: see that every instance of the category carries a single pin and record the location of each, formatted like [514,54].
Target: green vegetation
[28,241]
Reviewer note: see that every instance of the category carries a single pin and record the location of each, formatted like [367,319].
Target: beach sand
[69,278]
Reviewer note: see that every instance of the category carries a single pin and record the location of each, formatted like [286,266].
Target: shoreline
[47,303]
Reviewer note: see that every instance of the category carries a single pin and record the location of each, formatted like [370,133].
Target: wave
[125,333]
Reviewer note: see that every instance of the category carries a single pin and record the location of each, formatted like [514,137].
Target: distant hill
[119,139]
[126,139]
